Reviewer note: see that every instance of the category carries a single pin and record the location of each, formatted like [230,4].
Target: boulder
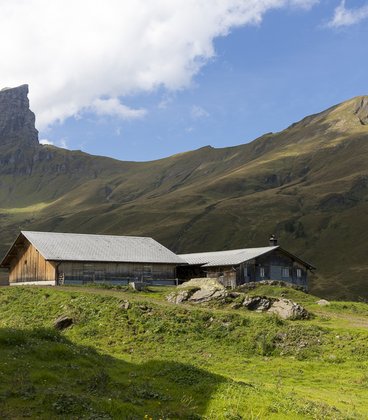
[202,283]
[207,294]
[287,309]
[178,297]
[257,303]
[63,322]
[323,302]
[125,305]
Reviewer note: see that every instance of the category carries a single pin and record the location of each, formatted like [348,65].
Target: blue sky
[260,77]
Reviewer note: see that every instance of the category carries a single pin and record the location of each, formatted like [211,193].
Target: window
[262,272]
[298,273]
[285,272]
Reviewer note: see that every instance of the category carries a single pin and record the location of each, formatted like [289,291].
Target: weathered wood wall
[29,265]
[86,272]
[274,264]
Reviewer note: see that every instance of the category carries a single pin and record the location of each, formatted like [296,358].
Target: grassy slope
[168,361]
[308,184]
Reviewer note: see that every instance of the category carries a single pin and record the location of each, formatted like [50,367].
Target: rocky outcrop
[284,308]
[17,121]
[362,110]
[202,283]
[287,309]
[198,291]
[197,295]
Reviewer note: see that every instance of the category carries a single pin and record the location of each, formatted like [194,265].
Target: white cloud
[63,143]
[346,17]
[197,112]
[46,141]
[115,108]
[74,52]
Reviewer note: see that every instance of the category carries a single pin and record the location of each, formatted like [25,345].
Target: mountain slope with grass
[134,355]
[308,184]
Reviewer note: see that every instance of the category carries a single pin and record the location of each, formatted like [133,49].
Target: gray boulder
[287,309]
[125,305]
[207,294]
[179,297]
[284,308]
[323,302]
[257,303]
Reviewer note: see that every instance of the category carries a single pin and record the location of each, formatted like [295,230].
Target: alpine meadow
[184,210]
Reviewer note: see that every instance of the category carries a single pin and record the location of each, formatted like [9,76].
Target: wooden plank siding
[76,272]
[29,265]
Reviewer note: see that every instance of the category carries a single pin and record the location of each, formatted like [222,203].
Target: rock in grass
[287,309]
[323,302]
[202,283]
[257,303]
[125,305]
[63,322]
[179,297]
[284,308]
[207,294]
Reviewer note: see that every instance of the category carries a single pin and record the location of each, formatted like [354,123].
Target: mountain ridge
[307,183]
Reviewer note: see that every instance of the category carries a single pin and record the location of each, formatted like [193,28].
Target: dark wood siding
[121,273]
[278,266]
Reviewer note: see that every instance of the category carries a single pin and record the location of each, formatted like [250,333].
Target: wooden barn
[239,266]
[67,258]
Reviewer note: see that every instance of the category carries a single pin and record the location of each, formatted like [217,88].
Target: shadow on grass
[45,375]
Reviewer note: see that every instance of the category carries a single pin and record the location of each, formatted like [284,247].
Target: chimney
[273,240]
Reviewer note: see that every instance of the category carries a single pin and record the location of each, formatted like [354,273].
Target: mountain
[308,184]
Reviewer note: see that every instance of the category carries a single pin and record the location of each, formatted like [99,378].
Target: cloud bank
[347,17]
[85,55]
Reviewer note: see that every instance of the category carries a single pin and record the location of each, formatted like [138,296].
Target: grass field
[162,361]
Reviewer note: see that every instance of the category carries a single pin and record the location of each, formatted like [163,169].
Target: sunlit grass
[165,361]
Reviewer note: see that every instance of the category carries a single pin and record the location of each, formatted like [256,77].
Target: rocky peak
[17,121]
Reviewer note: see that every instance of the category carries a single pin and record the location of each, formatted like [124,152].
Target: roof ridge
[85,234]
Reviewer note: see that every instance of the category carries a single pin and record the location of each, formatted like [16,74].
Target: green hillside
[152,359]
[308,184]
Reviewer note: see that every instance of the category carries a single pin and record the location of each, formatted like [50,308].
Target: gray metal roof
[103,248]
[224,258]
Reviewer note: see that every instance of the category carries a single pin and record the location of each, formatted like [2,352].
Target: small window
[285,272]
[25,262]
[262,272]
[298,273]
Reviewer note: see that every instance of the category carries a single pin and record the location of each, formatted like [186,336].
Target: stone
[194,294]
[63,322]
[287,309]
[257,303]
[125,305]
[202,295]
[323,302]
[202,283]
[180,297]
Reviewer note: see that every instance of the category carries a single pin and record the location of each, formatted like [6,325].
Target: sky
[145,79]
